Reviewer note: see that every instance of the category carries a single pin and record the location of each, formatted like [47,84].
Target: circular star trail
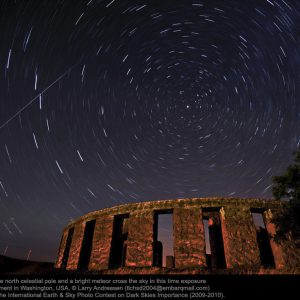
[108,102]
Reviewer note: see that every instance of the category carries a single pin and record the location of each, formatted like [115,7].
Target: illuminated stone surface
[233,238]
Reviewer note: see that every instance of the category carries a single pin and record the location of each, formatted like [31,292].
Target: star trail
[111,102]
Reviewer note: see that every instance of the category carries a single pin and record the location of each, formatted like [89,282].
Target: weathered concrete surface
[277,249]
[61,250]
[101,243]
[286,252]
[239,237]
[189,242]
[237,228]
[76,246]
[140,239]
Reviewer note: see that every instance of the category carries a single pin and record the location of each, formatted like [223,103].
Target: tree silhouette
[287,186]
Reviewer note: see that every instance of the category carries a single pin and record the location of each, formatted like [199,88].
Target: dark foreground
[29,279]
[20,266]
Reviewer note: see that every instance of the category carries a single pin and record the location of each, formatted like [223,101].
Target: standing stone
[189,241]
[140,240]
[239,237]
[61,250]
[101,243]
[76,246]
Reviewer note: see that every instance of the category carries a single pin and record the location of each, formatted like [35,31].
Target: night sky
[109,102]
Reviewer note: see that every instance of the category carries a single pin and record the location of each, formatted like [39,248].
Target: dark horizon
[110,102]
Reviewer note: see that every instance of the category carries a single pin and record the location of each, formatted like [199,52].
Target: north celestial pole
[109,102]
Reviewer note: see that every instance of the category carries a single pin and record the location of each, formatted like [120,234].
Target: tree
[287,186]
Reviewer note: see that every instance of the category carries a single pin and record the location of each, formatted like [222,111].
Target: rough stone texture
[287,252]
[61,250]
[237,227]
[291,254]
[101,243]
[239,237]
[140,240]
[76,246]
[217,257]
[197,271]
[189,242]
[276,248]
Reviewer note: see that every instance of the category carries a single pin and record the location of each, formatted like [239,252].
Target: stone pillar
[61,250]
[76,246]
[101,243]
[140,239]
[276,247]
[239,237]
[189,240]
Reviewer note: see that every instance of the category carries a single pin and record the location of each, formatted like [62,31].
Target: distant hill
[20,266]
